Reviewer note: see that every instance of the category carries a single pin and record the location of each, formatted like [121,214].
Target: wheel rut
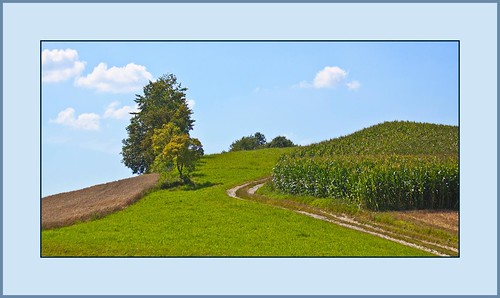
[247,192]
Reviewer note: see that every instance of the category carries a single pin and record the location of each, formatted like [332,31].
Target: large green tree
[163,102]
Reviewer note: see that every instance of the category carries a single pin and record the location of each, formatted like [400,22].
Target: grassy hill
[204,221]
[397,137]
[390,166]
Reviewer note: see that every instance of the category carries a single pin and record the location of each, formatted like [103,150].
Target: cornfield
[391,181]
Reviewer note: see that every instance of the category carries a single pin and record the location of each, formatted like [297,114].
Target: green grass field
[204,221]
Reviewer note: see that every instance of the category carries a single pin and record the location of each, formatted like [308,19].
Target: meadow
[202,220]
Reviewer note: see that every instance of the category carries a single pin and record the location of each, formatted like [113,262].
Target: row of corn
[377,182]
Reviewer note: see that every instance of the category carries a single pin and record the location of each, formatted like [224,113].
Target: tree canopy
[248,143]
[175,149]
[258,141]
[280,142]
[159,132]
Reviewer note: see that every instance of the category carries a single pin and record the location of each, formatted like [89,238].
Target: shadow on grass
[196,186]
[187,186]
[198,174]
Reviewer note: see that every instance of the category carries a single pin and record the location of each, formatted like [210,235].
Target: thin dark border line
[245,40]
[250,2]
[459,168]
[249,257]
[41,140]
[2,156]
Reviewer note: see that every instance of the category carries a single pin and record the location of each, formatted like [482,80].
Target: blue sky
[306,91]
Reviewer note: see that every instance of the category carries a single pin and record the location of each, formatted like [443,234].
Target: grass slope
[204,221]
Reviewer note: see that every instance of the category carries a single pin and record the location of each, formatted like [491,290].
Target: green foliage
[392,166]
[248,143]
[258,141]
[259,138]
[174,148]
[164,101]
[280,142]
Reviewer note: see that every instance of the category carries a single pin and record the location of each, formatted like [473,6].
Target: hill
[390,166]
[397,137]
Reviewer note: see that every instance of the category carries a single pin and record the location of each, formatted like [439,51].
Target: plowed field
[93,202]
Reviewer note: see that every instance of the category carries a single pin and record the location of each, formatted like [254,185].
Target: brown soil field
[445,219]
[93,202]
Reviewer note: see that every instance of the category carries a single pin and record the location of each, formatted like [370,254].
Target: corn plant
[377,182]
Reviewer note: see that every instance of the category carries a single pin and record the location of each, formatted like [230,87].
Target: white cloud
[125,79]
[60,65]
[329,76]
[85,121]
[354,85]
[121,113]
[191,103]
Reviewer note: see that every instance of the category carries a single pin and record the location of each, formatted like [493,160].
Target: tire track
[343,221]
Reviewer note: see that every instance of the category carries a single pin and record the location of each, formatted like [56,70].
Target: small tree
[260,139]
[249,143]
[280,142]
[175,149]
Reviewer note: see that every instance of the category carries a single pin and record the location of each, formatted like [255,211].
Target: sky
[306,91]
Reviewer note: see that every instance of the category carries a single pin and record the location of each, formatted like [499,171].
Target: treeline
[258,141]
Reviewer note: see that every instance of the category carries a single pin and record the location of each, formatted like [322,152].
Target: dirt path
[346,221]
[232,192]
[93,202]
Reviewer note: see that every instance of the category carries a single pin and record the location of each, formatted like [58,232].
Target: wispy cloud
[354,85]
[191,103]
[85,121]
[112,111]
[304,84]
[60,65]
[103,144]
[109,146]
[124,79]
